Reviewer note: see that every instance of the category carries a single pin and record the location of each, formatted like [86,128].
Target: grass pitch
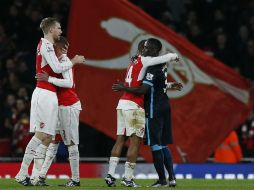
[99,184]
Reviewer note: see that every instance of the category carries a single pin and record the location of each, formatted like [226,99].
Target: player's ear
[51,29]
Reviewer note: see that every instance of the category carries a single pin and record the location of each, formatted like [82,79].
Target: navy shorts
[158,129]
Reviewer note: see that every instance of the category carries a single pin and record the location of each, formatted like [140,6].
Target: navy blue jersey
[156,99]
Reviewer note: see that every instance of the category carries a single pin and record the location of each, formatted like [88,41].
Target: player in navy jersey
[158,132]
[131,116]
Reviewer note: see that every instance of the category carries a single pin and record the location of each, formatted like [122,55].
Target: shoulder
[47,46]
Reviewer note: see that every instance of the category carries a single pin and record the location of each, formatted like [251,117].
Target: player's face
[58,51]
[56,31]
[149,50]
[61,49]
[140,50]
[145,51]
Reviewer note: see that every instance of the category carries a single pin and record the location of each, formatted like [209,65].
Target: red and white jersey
[134,76]
[47,61]
[66,92]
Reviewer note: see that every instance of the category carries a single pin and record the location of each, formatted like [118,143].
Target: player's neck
[49,38]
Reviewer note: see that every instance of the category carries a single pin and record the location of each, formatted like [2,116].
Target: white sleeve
[48,53]
[150,61]
[66,82]
[169,85]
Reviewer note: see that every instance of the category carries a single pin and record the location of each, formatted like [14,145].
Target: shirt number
[128,78]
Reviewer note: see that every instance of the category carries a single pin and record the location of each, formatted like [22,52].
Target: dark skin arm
[175,86]
[119,86]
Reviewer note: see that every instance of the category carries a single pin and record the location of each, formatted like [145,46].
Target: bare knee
[45,138]
[133,149]
[117,148]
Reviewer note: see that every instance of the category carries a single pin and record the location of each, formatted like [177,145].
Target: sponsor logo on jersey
[49,49]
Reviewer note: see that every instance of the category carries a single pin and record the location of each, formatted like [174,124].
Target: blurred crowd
[19,35]
[223,29]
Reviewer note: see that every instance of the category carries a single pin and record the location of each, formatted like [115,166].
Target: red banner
[214,100]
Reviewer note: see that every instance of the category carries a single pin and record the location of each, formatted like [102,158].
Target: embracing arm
[66,82]
[137,91]
[49,54]
[150,61]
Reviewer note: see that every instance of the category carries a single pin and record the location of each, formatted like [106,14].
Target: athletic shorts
[131,122]
[158,129]
[68,124]
[44,111]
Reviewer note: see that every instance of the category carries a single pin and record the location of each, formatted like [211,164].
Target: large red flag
[214,99]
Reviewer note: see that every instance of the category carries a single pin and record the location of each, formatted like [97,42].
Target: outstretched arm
[119,86]
[150,61]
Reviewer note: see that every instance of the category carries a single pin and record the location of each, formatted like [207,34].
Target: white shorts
[131,122]
[44,111]
[68,124]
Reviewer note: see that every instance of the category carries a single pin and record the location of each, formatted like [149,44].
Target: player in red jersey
[157,111]
[131,116]
[69,110]
[44,103]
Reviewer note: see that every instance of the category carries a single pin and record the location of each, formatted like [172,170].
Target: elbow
[69,85]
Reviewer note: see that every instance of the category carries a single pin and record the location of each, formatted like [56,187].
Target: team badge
[42,125]
[149,76]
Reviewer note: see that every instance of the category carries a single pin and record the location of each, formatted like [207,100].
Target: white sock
[50,155]
[29,155]
[113,161]
[129,170]
[74,161]
[38,160]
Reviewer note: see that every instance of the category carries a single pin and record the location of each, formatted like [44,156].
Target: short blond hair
[47,23]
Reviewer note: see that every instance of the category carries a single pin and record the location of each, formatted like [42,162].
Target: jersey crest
[149,76]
